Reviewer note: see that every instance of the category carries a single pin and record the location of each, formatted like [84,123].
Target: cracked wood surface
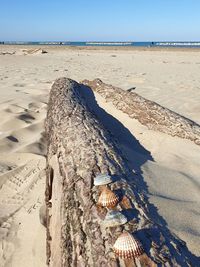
[147,112]
[79,147]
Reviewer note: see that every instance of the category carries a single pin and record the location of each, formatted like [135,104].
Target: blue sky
[100,20]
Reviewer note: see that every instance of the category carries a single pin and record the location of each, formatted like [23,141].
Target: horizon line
[97,41]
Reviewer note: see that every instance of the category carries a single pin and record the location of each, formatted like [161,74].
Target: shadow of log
[79,148]
[117,130]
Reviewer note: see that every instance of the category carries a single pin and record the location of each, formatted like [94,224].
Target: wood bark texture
[79,148]
[147,112]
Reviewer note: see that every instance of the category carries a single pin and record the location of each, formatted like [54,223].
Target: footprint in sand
[22,137]
[19,84]
[14,108]
[20,187]
[6,167]
[16,135]
[12,138]
[14,192]
[26,117]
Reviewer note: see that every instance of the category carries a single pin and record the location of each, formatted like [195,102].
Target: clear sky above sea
[100,20]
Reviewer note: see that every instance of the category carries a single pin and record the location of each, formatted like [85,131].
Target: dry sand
[170,165]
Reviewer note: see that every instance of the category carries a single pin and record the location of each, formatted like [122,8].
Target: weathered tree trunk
[79,148]
[147,112]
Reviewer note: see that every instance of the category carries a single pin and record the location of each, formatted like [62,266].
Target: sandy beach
[169,165]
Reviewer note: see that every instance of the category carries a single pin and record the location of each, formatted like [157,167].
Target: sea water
[141,44]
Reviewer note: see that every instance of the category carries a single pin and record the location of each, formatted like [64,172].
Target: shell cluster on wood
[108,198]
[127,247]
[103,179]
[114,218]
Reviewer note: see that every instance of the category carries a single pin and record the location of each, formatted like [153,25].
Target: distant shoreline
[177,44]
[102,48]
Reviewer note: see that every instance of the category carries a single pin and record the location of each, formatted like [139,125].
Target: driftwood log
[147,112]
[79,148]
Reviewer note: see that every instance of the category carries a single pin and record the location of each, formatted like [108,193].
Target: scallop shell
[102,179]
[114,218]
[108,198]
[127,247]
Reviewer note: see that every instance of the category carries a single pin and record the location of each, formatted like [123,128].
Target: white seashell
[127,247]
[102,179]
[108,198]
[114,218]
